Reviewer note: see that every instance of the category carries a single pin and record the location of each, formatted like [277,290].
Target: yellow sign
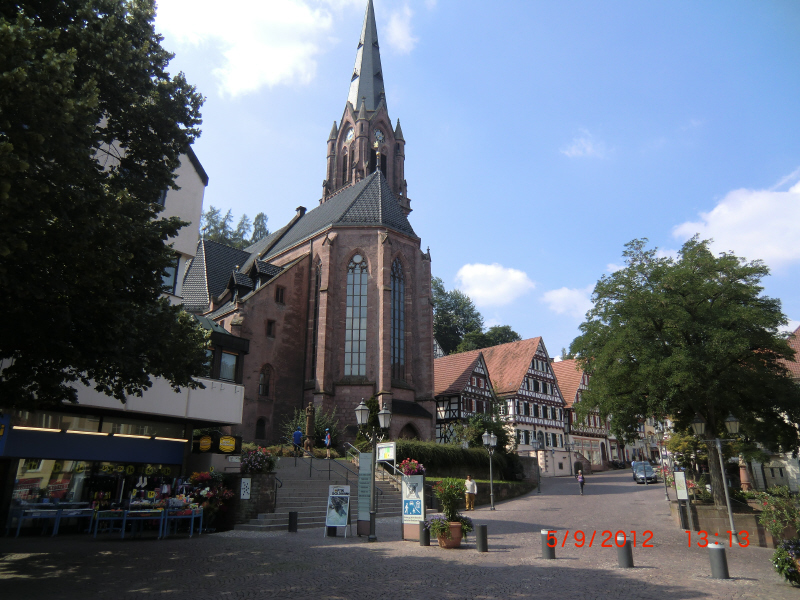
[151,494]
[166,471]
[205,443]
[120,468]
[227,443]
[130,469]
[148,470]
[80,468]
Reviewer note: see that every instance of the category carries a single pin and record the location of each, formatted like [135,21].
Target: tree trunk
[717,484]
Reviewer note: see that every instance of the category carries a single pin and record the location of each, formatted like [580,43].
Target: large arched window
[355,344]
[398,322]
[317,286]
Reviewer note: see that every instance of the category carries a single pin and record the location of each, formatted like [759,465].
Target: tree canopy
[217,228]
[91,129]
[689,336]
[494,336]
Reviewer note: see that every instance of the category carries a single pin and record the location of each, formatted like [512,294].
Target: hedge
[434,455]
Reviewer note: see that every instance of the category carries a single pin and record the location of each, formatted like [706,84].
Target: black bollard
[424,534]
[482,538]
[547,551]
[293,522]
[719,563]
[624,553]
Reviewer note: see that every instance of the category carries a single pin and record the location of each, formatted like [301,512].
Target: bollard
[547,551]
[719,564]
[624,553]
[293,522]
[482,538]
[424,534]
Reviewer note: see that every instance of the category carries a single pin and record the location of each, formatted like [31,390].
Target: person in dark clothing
[328,442]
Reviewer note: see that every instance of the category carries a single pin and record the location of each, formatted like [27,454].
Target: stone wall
[262,497]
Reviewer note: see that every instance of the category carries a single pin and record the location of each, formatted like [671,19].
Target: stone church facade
[337,303]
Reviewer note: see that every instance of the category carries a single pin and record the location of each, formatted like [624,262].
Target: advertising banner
[413,496]
[680,485]
[338,506]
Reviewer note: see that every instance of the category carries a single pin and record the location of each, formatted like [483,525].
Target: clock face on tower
[349,135]
[379,136]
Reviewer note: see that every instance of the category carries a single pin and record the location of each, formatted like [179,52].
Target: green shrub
[450,492]
[442,456]
[785,560]
[322,420]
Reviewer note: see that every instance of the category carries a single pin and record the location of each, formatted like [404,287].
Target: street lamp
[373,435]
[732,425]
[489,442]
[535,446]
[661,436]
[568,448]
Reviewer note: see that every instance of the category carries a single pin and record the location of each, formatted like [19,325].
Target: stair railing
[309,458]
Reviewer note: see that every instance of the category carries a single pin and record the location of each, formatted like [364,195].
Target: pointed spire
[362,113]
[334,132]
[367,78]
[398,133]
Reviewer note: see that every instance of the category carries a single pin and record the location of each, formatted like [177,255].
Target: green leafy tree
[91,129]
[501,334]
[454,315]
[239,239]
[690,336]
[260,230]
[322,420]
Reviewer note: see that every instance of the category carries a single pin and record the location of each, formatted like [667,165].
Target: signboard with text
[364,478]
[680,485]
[386,451]
[338,506]
[413,496]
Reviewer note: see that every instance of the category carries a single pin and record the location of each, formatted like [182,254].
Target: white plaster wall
[186,204]
[220,401]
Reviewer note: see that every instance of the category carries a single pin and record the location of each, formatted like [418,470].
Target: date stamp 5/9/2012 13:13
[703,541]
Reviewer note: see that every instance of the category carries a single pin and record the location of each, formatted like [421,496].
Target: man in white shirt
[472,489]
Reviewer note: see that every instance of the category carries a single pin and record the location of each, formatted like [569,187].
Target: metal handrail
[311,466]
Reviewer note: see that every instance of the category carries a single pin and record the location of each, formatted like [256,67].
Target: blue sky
[540,136]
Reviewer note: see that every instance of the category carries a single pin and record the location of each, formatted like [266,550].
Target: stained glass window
[398,322]
[355,340]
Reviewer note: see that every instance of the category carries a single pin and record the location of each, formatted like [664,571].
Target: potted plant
[411,467]
[450,491]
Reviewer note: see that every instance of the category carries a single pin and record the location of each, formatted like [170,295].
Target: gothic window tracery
[317,285]
[398,322]
[355,345]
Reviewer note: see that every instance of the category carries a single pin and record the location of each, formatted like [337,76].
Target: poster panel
[386,451]
[413,498]
[680,485]
[338,505]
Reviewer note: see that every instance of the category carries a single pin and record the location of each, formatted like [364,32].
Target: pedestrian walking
[297,441]
[471,490]
[328,442]
[581,480]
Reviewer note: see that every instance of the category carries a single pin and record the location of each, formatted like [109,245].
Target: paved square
[308,565]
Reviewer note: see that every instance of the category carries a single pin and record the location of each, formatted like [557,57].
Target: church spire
[367,81]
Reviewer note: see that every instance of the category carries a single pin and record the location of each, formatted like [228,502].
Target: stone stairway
[307,493]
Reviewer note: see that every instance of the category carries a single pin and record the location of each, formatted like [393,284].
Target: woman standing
[581,480]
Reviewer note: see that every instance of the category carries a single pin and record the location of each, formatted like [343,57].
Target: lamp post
[732,425]
[373,435]
[535,446]
[568,448]
[489,442]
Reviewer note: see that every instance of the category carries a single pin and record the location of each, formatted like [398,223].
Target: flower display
[411,467]
[259,460]
[209,492]
[785,560]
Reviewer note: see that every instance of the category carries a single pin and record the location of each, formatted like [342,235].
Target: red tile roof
[794,366]
[508,364]
[451,373]
[569,375]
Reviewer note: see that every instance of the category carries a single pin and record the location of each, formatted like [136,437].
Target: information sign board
[386,451]
[413,498]
[680,485]
[364,478]
[338,506]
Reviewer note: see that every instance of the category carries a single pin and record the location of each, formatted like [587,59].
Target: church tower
[364,140]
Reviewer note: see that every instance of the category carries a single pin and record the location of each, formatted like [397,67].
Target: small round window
[357,258]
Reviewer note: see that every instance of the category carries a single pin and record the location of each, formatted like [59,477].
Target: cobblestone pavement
[308,565]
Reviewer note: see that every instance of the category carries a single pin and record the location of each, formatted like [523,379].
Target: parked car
[644,473]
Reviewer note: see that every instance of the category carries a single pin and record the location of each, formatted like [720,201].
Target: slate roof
[410,409]
[241,279]
[569,375]
[451,373]
[209,272]
[508,364]
[794,366]
[265,268]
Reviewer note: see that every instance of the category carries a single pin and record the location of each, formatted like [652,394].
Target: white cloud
[260,43]
[585,145]
[398,34]
[754,224]
[791,327]
[574,302]
[493,285]
[613,267]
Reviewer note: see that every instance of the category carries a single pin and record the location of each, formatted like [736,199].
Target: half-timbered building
[462,389]
[530,401]
[589,436]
